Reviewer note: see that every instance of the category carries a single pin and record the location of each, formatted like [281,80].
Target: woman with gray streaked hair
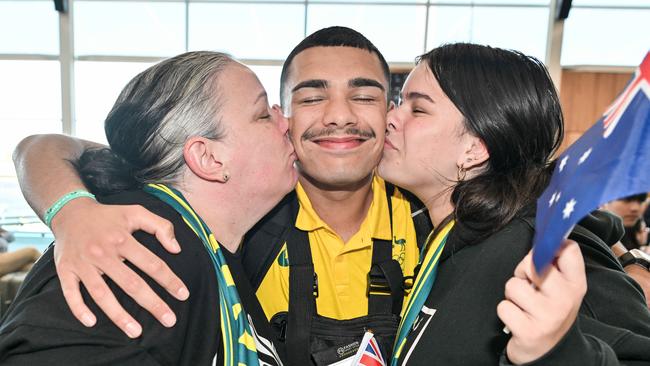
[192,139]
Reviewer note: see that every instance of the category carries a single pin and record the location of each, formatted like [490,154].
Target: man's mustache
[337,131]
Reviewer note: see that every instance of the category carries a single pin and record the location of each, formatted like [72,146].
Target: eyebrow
[312,83]
[353,83]
[416,95]
[363,82]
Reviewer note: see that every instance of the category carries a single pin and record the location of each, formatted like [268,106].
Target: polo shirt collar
[377,221]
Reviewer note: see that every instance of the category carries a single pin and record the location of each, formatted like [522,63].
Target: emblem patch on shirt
[283,258]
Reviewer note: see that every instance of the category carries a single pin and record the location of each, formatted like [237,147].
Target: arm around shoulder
[43,168]
[93,239]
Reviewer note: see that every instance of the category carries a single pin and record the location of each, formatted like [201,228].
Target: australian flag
[611,160]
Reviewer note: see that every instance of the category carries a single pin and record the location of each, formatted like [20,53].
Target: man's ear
[391,106]
[475,154]
[206,159]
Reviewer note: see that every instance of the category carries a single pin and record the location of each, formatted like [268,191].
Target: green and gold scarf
[421,288]
[238,343]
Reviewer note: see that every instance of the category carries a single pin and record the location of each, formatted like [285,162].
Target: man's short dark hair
[331,37]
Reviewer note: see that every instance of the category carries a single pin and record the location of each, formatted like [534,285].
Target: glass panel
[97,86]
[29,27]
[18,218]
[248,1]
[15,130]
[398,31]
[31,96]
[519,28]
[605,37]
[614,3]
[252,31]
[493,2]
[29,83]
[370,1]
[449,24]
[129,28]
[270,78]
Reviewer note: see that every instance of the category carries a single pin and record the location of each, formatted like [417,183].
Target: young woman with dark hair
[474,139]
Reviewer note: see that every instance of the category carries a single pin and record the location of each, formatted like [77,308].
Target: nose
[392,120]
[339,112]
[281,120]
[634,207]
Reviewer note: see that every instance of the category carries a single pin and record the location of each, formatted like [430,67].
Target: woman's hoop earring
[460,175]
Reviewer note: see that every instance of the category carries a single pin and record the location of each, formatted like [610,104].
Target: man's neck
[342,209]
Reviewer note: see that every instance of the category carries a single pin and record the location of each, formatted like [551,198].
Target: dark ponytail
[103,172]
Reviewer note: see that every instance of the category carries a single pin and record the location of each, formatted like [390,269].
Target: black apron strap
[265,240]
[385,288]
[385,278]
[302,304]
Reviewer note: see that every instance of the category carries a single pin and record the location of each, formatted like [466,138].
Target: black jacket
[460,325]
[39,328]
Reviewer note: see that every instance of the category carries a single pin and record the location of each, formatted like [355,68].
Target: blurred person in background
[630,209]
[18,260]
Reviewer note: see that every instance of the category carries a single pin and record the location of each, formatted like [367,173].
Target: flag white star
[554,198]
[568,209]
[584,156]
[563,162]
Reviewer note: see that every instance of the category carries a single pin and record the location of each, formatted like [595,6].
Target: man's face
[336,104]
[630,210]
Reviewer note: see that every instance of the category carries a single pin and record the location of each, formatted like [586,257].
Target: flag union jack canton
[611,160]
[369,353]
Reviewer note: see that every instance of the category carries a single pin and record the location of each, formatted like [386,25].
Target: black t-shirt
[459,325]
[40,329]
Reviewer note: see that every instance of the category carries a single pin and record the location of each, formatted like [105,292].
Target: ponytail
[103,172]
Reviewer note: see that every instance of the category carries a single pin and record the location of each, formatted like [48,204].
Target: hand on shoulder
[94,239]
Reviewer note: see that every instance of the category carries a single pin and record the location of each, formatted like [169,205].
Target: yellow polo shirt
[342,267]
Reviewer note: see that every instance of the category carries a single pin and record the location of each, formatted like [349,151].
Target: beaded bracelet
[58,205]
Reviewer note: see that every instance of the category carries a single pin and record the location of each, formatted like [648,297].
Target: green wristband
[58,205]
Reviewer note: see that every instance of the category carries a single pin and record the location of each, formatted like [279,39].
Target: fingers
[570,261]
[141,219]
[521,292]
[525,268]
[72,296]
[100,293]
[134,286]
[539,316]
[567,274]
[513,317]
[86,248]
[157,269]
[104,298]
[125,278]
